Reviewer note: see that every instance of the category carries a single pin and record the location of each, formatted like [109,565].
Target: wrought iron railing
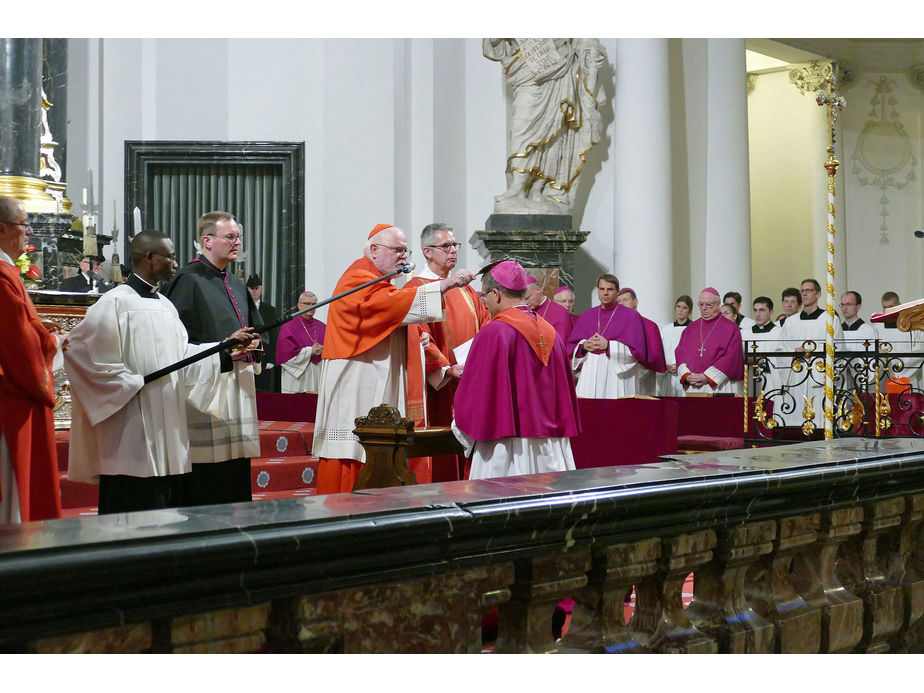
[877,391]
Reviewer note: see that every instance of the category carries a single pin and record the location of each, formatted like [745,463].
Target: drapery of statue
[554,120]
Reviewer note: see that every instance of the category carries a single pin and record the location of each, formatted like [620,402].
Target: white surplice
[765,341]
[501,457]
[118,424]
[669,383]
[794,333]
[349,388]
[607,376]
[299,374]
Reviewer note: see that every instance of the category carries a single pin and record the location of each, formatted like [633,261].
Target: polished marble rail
[812,547]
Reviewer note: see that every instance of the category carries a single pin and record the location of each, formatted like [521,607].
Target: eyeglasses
[705,305]
[232,238]
[18,223]
[397,251]
[446,247]
[171,256]
[484,296]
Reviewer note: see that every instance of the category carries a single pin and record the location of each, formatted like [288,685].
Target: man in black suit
[269,379]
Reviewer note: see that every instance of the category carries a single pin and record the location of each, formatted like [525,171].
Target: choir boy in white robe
[791,298]
[129,437]
[669,382]
[810,324]
[765,335]
[858,336]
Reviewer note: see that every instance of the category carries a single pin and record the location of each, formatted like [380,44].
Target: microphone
[919,234]
[409,267]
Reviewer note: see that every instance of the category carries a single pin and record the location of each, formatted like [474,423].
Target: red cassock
[27,399]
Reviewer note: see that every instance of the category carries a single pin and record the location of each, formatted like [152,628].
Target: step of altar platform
[268,475]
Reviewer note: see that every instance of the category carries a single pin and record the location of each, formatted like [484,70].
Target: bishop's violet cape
[625,326]
[297,334]
[507,392]
[656,361]
[721,342]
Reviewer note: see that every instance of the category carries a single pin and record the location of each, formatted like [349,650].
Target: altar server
[128,437]
[802,383]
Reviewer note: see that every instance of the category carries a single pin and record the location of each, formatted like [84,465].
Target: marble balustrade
[812,547]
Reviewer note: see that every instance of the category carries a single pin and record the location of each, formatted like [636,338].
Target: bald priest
[515,407]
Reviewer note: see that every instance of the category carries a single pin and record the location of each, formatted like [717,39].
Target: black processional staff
[404,269]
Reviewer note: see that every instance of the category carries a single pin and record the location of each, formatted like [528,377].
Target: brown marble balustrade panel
[227,631]
[439,614]
[133,639]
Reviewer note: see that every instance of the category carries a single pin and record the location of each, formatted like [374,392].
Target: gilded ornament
[811,77]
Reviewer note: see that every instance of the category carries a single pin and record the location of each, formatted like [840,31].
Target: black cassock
[213,304]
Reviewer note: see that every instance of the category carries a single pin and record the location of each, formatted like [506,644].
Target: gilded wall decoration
[811,77]
[883,155]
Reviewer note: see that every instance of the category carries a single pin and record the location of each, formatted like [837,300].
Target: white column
[642,209]
[728,216]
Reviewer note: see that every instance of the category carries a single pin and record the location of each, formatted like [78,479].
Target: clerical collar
[681,324]
[141,287]
[762,329]
[852,326]
[811,316]
[205,261]
[427,273]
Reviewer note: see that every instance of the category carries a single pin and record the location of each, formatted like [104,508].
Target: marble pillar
[21,123]
[642,210]
[543,243]
[728,199]
[54,82]
[20,153]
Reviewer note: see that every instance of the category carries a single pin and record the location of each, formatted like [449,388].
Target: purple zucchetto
[510,275]
[562,288]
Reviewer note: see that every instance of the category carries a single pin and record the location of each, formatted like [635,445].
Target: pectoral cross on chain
[701,350]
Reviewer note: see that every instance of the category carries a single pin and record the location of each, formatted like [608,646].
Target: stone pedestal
[537,241]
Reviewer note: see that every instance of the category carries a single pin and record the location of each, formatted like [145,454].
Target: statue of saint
[554,122]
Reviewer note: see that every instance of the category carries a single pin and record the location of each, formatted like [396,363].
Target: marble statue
[554,120]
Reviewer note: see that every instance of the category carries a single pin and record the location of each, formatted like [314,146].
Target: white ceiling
[861,54]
